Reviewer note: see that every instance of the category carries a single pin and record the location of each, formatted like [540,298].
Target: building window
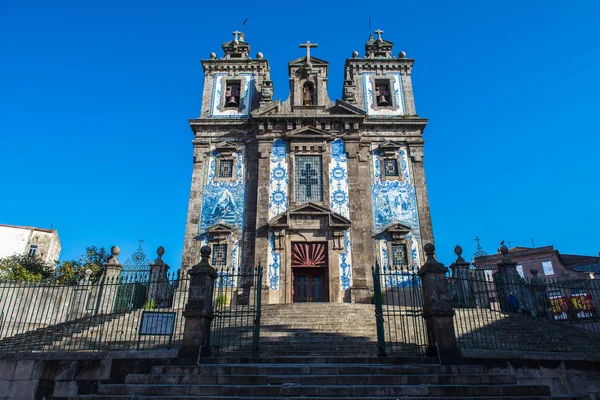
[219,255]
[308,179]
[547,268]
[390,167]
[232,94]
[382,94]
[225,169]
[32,250]
[399,255]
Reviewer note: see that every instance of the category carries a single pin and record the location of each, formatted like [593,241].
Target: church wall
[223,202]
[395,201]
[278,203]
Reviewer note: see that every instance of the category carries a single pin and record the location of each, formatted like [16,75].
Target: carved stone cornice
[235,66]
[395,231]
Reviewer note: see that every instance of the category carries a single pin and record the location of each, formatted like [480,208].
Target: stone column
[109,283]
[418,170]
[262,212]
[437,306]
[361,216]
[509,285]
[159,289]
[198,310]
[194,206]
[462,295]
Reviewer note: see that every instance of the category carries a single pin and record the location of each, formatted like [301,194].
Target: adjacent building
[43,243]
[316,191]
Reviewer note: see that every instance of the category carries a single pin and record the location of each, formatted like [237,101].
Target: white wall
[13,240]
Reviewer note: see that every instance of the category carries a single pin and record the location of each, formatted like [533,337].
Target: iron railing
[111,314]
[237,307]
[398,299]
[525,315]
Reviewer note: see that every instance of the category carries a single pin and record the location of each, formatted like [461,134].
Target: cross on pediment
[308,179]
[379,32]
[308,45]
[236,34]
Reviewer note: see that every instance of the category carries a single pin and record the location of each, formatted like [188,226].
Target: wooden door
[310,285]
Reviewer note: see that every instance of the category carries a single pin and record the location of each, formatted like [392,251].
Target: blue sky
[95,97]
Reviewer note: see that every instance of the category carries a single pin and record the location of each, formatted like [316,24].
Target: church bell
[382,101]
[232,101]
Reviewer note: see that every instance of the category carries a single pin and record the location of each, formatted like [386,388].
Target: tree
[72,271]
[22,267]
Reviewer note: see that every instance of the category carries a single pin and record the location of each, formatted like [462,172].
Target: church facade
[315,191]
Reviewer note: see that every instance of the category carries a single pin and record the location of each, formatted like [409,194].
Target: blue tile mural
[395,201]
[339,202]
[224,202]
[278,204]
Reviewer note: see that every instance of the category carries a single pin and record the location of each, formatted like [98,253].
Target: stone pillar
[361,215]
[109,283]
[437,306]
[509,285]
[159,289]
[82,295]
[262,213]
[198,310]
[462,294]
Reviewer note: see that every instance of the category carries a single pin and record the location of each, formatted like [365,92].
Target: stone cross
[236,34]
[379,32]
[477,240]
[308,45]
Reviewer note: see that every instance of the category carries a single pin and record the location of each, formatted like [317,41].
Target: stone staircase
[319,351]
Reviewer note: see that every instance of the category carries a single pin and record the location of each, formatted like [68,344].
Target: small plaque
[157,323]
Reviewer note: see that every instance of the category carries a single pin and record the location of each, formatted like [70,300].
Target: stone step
[128,397]
[325,390]
[215,378]
[318,368]
[327,360]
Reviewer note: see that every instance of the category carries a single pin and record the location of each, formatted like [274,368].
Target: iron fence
[111,314]
[237,307]
[492,312]
[398,299]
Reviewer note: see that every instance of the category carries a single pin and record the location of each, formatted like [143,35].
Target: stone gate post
[461,288]
[109,283]
[437,306]
[510,285]
[159,289]
[199,308]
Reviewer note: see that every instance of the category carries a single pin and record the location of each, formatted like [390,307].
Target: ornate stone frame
[390,82]
[225,151]
[396,234]
[389,150]
[309,222]
[221,234]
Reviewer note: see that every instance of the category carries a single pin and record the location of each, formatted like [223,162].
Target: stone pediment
[388,148]
[308,133]
[219,231]
[395,231]
[344,108]
[313,60]
[226,148]
[309,216]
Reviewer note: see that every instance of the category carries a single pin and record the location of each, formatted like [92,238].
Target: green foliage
[22,267]
[72,271]
[222,300]
[149,305]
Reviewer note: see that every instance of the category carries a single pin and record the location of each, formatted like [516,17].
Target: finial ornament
[429,251]
[355,54]
[213,56]
[458,251]
[504,252]
[308,45]
[379,32]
